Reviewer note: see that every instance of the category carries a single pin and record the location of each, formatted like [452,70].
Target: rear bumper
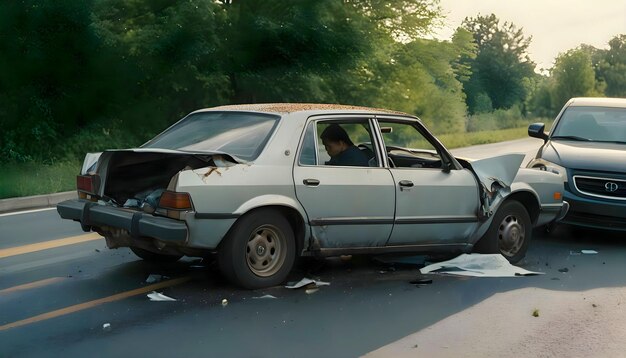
[137,223]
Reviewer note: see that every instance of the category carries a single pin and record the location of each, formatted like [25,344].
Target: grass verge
[27,179]
[33,179]
[459,140]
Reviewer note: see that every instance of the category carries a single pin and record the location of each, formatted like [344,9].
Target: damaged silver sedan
[261,185]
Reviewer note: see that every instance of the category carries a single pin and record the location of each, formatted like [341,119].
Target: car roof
[283,108]
[598,102]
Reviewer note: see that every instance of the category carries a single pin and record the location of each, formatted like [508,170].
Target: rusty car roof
[300,107]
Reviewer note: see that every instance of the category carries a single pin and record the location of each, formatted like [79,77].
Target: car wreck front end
[503,185]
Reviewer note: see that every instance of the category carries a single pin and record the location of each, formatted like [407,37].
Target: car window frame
[447,159]
[342,118]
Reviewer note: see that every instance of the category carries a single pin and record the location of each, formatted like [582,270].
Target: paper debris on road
[307,281]
[152,278]
[157,296]
[478,265]
[106,327]
[263,297]
[589,252]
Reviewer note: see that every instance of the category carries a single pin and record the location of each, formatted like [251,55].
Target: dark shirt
[352,157]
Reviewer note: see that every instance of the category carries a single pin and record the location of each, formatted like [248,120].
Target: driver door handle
[311,182]
[406,183]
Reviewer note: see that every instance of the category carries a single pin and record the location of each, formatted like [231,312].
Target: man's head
[335,140]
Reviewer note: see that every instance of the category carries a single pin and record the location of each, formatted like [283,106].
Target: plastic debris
[264,297]
[589,252]
[157,296]
[152,278]
[106,327]
[307,281]
[478,265]
[564,270]
[224,302]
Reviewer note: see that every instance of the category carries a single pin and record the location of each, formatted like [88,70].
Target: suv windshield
[600,124]
[237,133]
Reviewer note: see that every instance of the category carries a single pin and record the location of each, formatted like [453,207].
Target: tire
[259,251]
[154,257]
[509,234]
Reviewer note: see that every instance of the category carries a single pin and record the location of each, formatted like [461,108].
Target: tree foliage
[502,69]
[612,67]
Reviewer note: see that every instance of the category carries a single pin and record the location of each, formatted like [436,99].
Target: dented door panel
[440,207]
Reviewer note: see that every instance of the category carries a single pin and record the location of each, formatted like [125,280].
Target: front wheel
[259,251]
[509,234]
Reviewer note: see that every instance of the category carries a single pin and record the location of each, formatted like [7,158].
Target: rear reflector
[558,195]
[86,183]
[175,201]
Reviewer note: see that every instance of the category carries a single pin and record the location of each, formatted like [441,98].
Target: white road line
[27,211]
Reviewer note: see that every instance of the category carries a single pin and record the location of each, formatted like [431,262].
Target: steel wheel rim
[266,250]
[511,235]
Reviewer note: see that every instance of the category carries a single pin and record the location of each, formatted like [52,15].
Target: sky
[555,25]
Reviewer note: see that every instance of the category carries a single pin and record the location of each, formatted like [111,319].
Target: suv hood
[595,156]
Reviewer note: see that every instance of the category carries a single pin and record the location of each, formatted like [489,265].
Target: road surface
[63,293]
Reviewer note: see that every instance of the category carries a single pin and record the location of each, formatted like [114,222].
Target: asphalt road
[59,288]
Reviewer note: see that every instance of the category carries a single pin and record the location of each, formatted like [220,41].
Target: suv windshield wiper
[572,137]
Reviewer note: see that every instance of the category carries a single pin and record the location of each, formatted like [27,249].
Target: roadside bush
[498,119]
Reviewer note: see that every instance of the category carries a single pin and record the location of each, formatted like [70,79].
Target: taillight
[172,200]
[86,183]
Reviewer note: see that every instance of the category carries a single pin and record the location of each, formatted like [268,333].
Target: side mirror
[537,130]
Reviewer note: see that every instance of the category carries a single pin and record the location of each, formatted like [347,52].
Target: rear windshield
[237,133]
[598,124]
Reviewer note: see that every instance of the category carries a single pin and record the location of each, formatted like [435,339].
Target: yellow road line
[28,286]
[94,303]
[19,250]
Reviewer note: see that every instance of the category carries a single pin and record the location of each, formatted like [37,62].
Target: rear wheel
[509,234]
[259,251]
[154,257]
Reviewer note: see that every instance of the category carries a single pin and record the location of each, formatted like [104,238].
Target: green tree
[501,69]
[573,76]
[612,67]
[49,75]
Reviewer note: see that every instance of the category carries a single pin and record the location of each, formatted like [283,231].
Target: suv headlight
[542,164]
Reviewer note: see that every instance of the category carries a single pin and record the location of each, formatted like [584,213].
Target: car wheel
[154,257]
[509,234]
[259,251]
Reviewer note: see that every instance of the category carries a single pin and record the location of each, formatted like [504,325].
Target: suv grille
[601,187]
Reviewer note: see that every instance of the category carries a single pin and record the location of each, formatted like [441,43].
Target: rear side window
[241,134]
[341,143]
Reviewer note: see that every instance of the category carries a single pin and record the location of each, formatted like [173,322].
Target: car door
[347,205]
[436,199]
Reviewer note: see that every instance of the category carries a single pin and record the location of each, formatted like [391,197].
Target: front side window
[345,143]
[601,124]
[407,147]
[240,134]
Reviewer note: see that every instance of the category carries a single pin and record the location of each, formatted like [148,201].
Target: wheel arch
[293,216]
[530,201]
